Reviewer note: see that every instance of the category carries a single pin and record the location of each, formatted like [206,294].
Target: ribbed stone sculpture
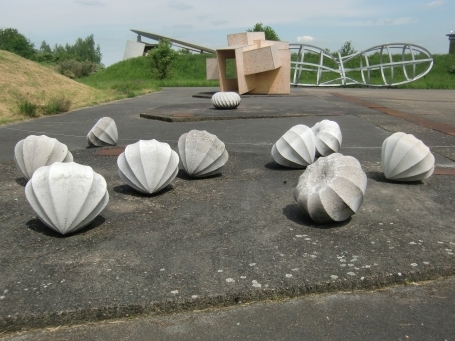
[331,189]
[103,133]
[148,166]
[296,148]
[226,100]
[34,152]
[328,137]
[67,196]
[406,158]
[201,153]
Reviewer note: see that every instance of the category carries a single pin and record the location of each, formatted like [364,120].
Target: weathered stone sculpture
[67,196]
[103,133]
[148,166]
[406,158]
[296,148]
[331,189]
[34,152]
[226,100]
[328,137]
[201,153]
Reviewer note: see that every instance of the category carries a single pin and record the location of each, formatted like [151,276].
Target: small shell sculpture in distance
[328,137]
[406,158]
[296,148]
[148,166]
[67,196]
[331,189]
[226,100]
[201,153]
[34,152]
[103,133]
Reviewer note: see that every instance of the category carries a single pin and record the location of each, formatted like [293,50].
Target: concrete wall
[133,49]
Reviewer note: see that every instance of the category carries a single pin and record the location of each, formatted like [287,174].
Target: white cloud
[182,26]
[179,5]
[219,22]
[384,22]
[435,3]
[90,2]
[305,39]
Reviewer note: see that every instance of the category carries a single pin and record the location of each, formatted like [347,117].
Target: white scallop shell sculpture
[201,153]
[406,158]
[296,148]
[148,166]
[103,133]
[331,189]
[34,152]
[328,137]
[226,100]
[67,196]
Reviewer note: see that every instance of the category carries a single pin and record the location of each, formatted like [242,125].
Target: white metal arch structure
[410,57]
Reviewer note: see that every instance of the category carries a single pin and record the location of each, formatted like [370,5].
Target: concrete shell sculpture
[406,158]
[331,189]
[67,196]
[296,148]
[34,152]
[103,133]
[328,137]
[226,100]
[201,153]
[148,166]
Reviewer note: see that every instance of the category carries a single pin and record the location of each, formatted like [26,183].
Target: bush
[161,59]
[452,69]
[27,107]
[57,105]
[269,32]
[74,69]
[54,106]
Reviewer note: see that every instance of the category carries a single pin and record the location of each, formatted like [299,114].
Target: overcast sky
[324,23]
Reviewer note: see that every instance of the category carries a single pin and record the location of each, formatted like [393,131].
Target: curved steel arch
[342,79]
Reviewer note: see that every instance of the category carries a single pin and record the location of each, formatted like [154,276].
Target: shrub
[27,107]
[74,69]
[452,69]
[161,58]
[57,105]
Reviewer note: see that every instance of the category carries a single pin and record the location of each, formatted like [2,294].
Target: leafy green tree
[161,58]
[11,40]
[270,33]
[347,49]
[45,48]
[83,50]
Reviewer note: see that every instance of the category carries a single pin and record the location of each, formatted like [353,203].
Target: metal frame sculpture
[365,68]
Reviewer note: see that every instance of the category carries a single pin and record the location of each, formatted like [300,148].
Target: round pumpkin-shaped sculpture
[103,133]
[331,189]
[34,152]
[148,166]
[406,158]
[226,100]
[296,148]
[201,153]
[328,137]
[67,196]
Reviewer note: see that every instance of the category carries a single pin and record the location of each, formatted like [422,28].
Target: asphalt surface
[232,238]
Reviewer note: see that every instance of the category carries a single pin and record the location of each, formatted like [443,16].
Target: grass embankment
[438,78]
[22,81]
[133,77]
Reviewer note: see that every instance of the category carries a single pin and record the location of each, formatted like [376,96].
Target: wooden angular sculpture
[226,100]
[148,166]
[328,137]
[201,153]
[103,133]
[296,148]
[406,158]
[331,189]
[261,66]
[34,152]
[67,196]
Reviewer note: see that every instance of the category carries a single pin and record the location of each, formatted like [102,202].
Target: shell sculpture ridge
[331,189]
[148,166]
[406,158]
[67,196]
[296,148]
[34,152]
[328,137]
[103,133]
[201,153]
[226,100]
